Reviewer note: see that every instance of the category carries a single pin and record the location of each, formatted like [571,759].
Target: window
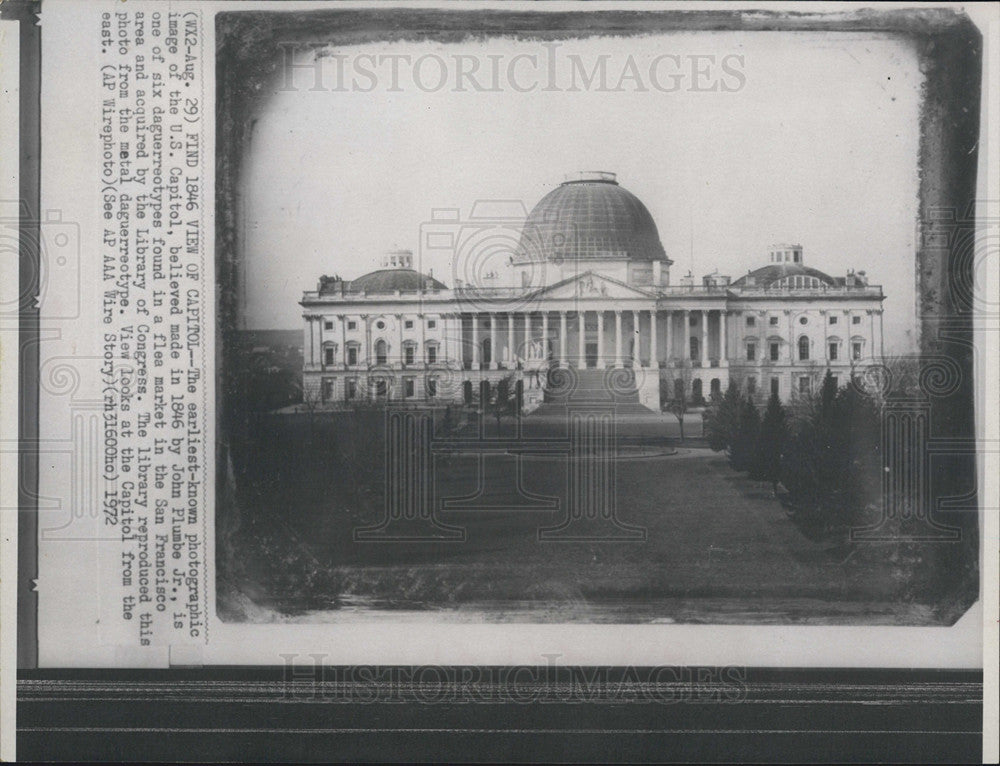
[352,355]
[352,325]
[833,352]
[409,386]
[432,387]
[380,324]
[328,324]
[856,350]
[751,321]
[855,320]
[432,354]
[408,353]
[773,321]
[328,389]
[833,319]
[803,348]
[775,350]
[408,324]
[328,352]
[751,385]
[351,389]
[695,345]
[431,324]
[798,257]
[774,386]
[381,352]
[805,384]
[751,351]
[803,320]
[836,381]
[694,320]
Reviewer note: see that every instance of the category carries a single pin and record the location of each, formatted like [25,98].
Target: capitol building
[583,284]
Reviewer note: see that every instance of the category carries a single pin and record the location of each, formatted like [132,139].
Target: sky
[733,140]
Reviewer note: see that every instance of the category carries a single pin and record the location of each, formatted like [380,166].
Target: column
[654,359]
[562,338]
[871,345]
[545,335]
[527,335]
[421,358]
[723,351]
[343,337]
[581,321]
[686,336]
[475,341]
[618,338]
[636,337]
[704,337]
[670,335]
[445,332]
[881,336]
[366,352]
[399,350]
[826,338]
[511,356]
[320,322]
[493,341]
[600,340]
[317,341]
[309,346]
[791,338]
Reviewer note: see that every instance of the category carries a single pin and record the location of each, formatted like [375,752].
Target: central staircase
[565,386]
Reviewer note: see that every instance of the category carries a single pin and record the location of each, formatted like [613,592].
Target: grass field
[718,547]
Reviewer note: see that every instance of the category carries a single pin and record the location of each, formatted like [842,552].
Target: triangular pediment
[592,285]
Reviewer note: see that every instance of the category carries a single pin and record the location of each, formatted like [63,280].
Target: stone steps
[565,385]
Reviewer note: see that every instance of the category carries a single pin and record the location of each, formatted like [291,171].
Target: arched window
[696,395]
[487,351]
[803,348]
[381,352]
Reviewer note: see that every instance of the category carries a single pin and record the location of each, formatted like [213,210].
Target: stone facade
[396,334]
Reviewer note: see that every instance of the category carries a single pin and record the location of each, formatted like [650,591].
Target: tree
[501,404]
[743,452]
[723,417]
[832,464]
[773,433]
[679,400]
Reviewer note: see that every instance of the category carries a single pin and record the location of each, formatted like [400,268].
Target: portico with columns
[603,300]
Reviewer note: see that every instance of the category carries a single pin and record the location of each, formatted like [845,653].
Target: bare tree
[680,396]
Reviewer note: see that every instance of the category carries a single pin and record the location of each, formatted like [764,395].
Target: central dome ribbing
[590,218]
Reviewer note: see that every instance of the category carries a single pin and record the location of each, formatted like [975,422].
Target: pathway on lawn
[718,547]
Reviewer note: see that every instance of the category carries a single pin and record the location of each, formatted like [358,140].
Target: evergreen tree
[723,418]
[742,454]
[773,435]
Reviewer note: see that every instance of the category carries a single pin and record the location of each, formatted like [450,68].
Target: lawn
[718,547]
